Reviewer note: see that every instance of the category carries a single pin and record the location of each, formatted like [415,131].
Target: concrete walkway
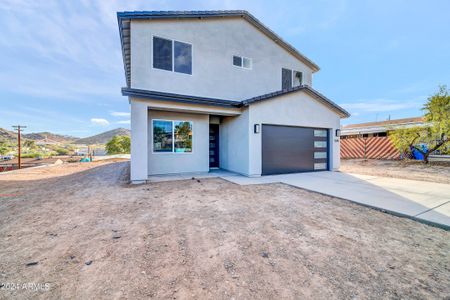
[426,201]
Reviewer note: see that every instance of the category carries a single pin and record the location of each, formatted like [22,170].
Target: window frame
[173,55]
[242,62]
[173,137]
[293,77]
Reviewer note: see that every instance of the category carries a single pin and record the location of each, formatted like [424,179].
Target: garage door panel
[288,149]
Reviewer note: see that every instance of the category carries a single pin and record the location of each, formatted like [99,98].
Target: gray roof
[179,98]
[124,19]
[230,103]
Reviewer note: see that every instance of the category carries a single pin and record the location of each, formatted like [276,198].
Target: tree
[30,144]
[4,148]
[436,131]
[119,144]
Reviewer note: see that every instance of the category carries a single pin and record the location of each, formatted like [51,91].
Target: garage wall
[234,147]
[166,163]
[295,109]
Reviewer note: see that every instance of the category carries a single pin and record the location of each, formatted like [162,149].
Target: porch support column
[139,143]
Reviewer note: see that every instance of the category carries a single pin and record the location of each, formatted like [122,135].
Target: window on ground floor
[172,136]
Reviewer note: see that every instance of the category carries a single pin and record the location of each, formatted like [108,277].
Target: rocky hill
[104,137]
[7,136]
[50,136]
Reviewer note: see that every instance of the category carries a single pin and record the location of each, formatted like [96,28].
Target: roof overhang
[154,95]
[124,20]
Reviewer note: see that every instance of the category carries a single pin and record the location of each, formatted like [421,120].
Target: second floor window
[243,62]
[290,78]
[172,55]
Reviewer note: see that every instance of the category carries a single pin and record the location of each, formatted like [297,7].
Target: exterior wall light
[256,128]
[338,132]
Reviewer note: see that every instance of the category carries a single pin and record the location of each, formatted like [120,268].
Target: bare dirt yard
[85,232]
[410,169]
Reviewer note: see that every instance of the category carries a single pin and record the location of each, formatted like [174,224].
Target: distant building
[95,150]
[370,140]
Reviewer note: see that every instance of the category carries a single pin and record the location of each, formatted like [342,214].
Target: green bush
[31,155]
[62,151]
[119,144]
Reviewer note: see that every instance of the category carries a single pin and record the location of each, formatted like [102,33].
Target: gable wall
[295,109]
[214,43]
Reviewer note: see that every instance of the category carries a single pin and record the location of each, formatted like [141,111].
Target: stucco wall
[138,167]
[214,42]
[234,147]
[296,109]
[196,161]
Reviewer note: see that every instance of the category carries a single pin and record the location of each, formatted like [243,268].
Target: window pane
[320,144]
[183,57]
[162,136]
[286,79]
[247,63]
[318,155]
[298,78]
[183,136]
[237,61]
[162,54]
[320,133]
[320,166]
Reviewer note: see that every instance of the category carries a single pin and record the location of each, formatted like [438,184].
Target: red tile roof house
[218,89]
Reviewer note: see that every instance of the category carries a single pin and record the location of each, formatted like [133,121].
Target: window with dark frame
[172,136]
[172,55]
[243,62]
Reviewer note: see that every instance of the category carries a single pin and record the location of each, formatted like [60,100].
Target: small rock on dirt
[89,262]
[32,263]
[265,254]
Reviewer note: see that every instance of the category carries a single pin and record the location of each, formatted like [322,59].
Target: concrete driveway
[421,200]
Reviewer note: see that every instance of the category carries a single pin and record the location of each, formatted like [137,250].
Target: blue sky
[61,68]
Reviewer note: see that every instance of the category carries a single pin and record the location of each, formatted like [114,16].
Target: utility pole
[19,128]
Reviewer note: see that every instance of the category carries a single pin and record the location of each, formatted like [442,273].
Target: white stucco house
[218,89]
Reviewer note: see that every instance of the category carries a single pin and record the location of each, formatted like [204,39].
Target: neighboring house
[370,140]
[218,89]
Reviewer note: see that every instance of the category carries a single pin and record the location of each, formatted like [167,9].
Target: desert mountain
[104,137]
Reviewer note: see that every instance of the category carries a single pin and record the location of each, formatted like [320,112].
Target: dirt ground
[93,236]
[416,170]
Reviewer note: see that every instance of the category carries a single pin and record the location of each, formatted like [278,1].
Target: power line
[19,129]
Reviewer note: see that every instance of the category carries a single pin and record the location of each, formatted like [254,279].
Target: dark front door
[289,149]
[213,145]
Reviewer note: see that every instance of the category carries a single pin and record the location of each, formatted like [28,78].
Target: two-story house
[218,89]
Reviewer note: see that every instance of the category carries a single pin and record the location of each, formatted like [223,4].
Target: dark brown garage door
[288,149]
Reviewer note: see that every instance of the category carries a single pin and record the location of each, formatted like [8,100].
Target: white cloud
[124,122]
[99,121]
[119,114]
